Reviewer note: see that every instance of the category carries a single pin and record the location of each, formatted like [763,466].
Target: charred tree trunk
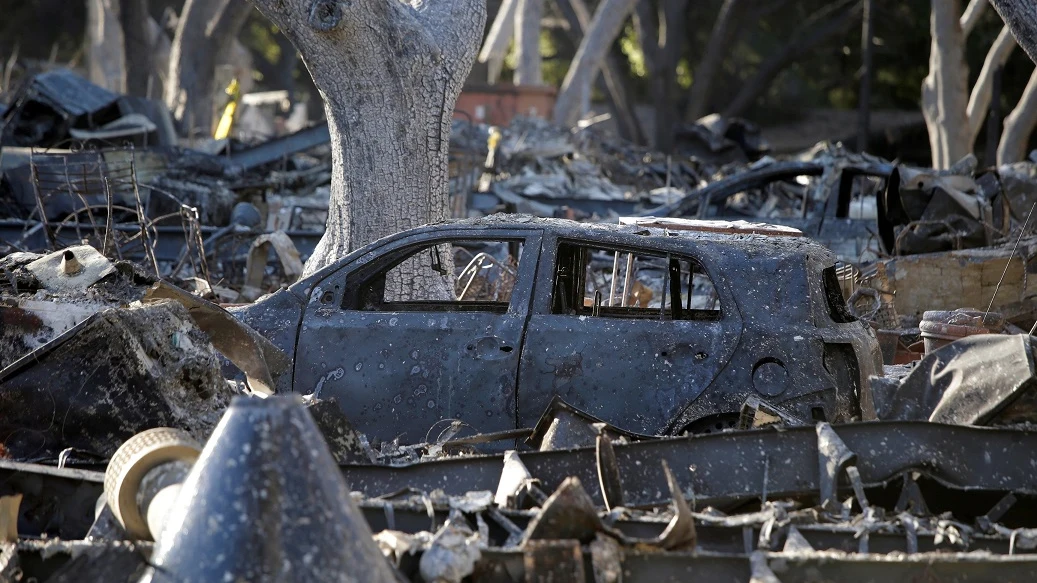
[610,82]
[528,14]
[139,48]
[725,30]
[832,20]
[1019,125]
[945,89]
[389,74]
[1021,17]
[604,28]
[204,36]
[106,57]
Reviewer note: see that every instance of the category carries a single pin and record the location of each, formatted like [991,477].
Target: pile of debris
[532,166]
[148,437]
[844,503]
[80,165]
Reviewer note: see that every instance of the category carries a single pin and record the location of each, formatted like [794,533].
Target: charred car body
[656,330]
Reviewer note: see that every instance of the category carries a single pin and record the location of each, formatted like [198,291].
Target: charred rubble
[164,419]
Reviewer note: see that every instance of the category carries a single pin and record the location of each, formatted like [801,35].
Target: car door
[605,337]
[399,366]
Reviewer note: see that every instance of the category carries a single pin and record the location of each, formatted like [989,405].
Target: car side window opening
[591,281]
[460,275]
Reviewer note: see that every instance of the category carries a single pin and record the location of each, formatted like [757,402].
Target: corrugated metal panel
[70,93]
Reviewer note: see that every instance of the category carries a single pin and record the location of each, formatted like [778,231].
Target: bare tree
[954,116]
[945,88]
[834,19]
[725,29]
[602,32]
[205,34]
[138,46]
[982,91]
[125,47]
[495,46]
[1019,125]
[390,74]
[610,82]
[106,58]
[527,40]
[160,48]
[973,12]
[661,44]
[1020,17]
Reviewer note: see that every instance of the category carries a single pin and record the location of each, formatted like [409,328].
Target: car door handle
[489,348]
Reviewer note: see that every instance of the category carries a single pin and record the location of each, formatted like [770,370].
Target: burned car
[655,330]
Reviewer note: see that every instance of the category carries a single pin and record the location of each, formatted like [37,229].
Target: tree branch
[648,34]
[610,82]
[496,45]
[979,101]
[604,28]
[973,12]
[821,26]
[1019,125]
[528,14]
[725,28]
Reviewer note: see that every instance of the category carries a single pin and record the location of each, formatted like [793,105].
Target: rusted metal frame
[34,175]
[82,199]
[719,191]
[794,567]
[56,501]
[716,538]
[109,233]
[149,248]
[42,485]
[727,467]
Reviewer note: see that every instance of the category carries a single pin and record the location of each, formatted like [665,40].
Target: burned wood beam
[282,147]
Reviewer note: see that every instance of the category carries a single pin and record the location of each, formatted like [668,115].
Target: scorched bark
[389,73]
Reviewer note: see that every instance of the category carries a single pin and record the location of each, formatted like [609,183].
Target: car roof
[726,250]
[752,243]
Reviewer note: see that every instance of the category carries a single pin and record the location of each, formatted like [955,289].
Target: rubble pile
[847,503]
[181,212]
[657,372]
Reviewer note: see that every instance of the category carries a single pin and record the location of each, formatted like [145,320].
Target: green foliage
[553,66]
[684,78]
[260,37]
[631,47]
[829,76]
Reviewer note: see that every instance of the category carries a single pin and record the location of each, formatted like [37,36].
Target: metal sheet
[792,568]
[737,465]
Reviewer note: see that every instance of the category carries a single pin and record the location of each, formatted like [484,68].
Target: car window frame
[557,242]
[354,280]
